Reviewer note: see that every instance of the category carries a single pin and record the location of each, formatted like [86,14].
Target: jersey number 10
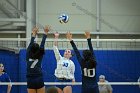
[89,72]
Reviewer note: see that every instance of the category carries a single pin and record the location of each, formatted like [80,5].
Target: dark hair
[52,90]
[36,52]
[4,69]
[72,54]
[88,58]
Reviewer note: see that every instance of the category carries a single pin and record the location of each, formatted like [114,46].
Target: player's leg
[67,89]
[59,87]
[31,90]
[30,87]
[59,90]
[40,85]
[52,89]
[41,90]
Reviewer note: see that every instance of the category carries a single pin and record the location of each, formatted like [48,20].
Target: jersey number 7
[89,72]
[34,62]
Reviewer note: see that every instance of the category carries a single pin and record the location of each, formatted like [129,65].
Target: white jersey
[65,67]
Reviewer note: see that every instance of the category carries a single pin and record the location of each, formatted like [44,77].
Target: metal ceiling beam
[17,9]
[98,33]
[76,33]
[3,25]
[7,12]
[13,32]
[12,19]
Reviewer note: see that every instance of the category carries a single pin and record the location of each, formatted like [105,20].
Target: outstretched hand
[69,36]
[56,35]
[47,29]
[87,34]
[35,30]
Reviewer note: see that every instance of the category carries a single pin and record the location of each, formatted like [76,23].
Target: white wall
[49,11]
[123,15]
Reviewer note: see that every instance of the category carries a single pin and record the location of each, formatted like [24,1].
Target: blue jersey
[4,78]
[88,75]
[34,67]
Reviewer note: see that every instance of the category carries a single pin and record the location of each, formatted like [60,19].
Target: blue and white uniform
[89,82]
[65,68]
[4,77]
[34,68]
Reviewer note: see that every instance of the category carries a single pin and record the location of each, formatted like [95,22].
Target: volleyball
[63,18]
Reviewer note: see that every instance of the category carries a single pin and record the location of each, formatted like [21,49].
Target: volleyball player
[88,65]
[65,67]
[35,82]
[4,77]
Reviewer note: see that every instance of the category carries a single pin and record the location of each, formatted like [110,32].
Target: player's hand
[87,34]
[73,81]
[69,36]
[35,30]
[47,29]
[56,35]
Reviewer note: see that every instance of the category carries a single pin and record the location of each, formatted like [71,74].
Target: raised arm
[46,30]
[69,37]
[34,33]
[55,46]
[87,34]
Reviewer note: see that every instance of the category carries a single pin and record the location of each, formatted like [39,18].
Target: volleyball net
[98,44]
[72,83]
[118,87]
[117,59]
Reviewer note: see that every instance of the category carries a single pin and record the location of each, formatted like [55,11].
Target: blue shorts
[35,82]
[60,80]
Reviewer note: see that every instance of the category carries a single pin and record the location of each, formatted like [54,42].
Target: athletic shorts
[35,82]
[90,89]
[62,80]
